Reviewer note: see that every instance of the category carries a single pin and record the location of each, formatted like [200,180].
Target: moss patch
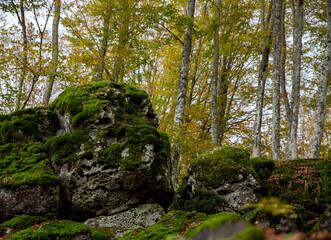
[203,201]
[86,102]
[22,222]
[59,229]
[64,147]
[273,210]
[24,163]
[302,182]
[224,164]
[213,222]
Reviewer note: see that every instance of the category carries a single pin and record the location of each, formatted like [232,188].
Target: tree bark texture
[184,67]
[322,90]
[182,87]
[104,42]
[215,127]
[55,52]
[296,79]
[277,32]
[263,74]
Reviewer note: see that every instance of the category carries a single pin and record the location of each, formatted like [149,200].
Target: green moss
[213,222]
[301,182]
[24,163]
[263,166]
[64,147]
[204,201]
[325,217]
[23,222]
[171,224]
[250,233]
[60,229]
[274,210]
[221,165]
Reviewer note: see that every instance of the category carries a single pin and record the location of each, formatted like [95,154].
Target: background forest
[249,73]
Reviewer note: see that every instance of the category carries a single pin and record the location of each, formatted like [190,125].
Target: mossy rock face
[273,213]
[31,200]
[221,180]
[303,182]
[109,155]
[324,222]
[26,176]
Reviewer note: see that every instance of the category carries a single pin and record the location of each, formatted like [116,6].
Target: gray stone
[34,200]
[142,216]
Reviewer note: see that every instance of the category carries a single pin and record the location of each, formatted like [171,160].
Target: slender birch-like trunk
[322,91]
[55,52]
[104,42]
[215,127]
[295,95]
[24,63]
[276,79]
[263,74]
[182,87]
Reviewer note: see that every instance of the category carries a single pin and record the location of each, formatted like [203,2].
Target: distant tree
[322,91]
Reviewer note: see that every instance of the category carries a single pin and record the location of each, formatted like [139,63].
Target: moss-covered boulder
[109,156]
[27,182]
[323,223]
[302,182]
[221,180]
[272,213]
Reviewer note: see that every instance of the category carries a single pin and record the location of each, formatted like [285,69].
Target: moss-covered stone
[172,224]
[220,180]
[22,222]
[59,229]
[273,213]
[24,163]
[323,222]
[263,166]
[303,182]
[222,165]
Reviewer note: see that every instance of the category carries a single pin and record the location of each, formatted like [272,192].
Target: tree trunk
[322,90]
[263,74]
[223,97]
[55,52]
[104,43]
[215,127]
[21,19]
[295,95]
[276,79]
[182,87]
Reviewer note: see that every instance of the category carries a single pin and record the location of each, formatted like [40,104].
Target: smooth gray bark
[215,127]
[182,88]
[277,32]
[263,74]
[55,52]
[322,90]
[296,79]
[104,42]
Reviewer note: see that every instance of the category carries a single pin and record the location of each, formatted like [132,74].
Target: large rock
[108,155]
[221,180]
[31,200]
[27,182]
[94,151]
